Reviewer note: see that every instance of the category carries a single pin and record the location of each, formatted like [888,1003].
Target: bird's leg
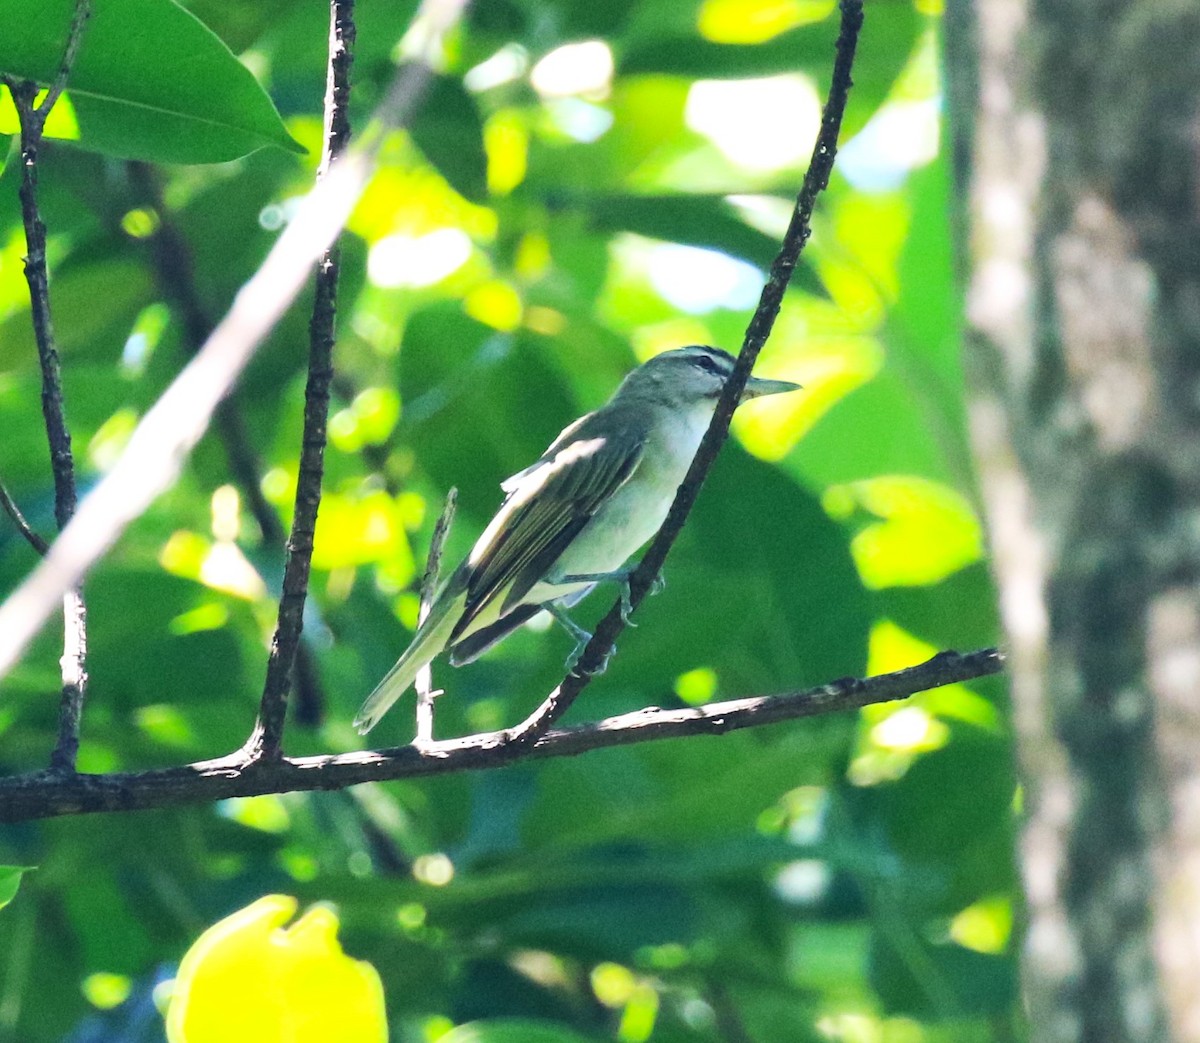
[582,637]
[616,576]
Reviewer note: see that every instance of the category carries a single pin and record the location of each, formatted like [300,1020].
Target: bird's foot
[627,603]
[621,576]
[582,637]
[577,652]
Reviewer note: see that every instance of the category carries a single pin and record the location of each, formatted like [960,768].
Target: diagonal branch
[32,120]
[45,795]
[18,519]
[266,739]
[798,231]
[167,433]
[83,11]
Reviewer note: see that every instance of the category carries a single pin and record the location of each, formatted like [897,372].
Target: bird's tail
[430,639]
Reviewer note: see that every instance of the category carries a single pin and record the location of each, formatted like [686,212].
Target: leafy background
[549,220]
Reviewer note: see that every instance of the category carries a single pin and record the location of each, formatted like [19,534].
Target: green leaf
[150,81]
[511,1031]
[805,48]
[700,220]
[918,978]
[10,880]
[490,988]
[450,133]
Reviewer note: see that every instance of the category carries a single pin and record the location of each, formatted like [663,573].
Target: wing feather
[547,506]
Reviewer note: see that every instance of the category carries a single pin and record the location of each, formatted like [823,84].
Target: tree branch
[817,178]
[18,519]
[45,794]
[266,740]
[32,120]
[83,11]
[167,433]
[426,694]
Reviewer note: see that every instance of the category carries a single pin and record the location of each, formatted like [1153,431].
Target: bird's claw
[627,605]
[577,652]
[657,586]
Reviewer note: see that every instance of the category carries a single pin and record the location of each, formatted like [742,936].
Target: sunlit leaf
[359,530]
[755,21]
[986,926]
[105,991]
[10,881]
[926,530]
[149,82]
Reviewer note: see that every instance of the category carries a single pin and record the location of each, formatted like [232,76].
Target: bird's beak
[757,387]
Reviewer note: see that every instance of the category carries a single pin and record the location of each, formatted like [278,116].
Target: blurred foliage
[586,185]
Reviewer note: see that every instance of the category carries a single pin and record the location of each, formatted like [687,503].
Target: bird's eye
[706,363]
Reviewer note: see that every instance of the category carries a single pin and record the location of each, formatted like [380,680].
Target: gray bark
[1077,133]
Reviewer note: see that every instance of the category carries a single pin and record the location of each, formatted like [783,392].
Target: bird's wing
[471,648]
[546,508]
[512,483]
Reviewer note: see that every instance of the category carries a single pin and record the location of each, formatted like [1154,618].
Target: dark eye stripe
[706,363]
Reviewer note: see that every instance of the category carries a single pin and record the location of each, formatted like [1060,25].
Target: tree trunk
[1077,143]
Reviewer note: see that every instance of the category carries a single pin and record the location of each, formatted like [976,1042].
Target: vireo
[572,518]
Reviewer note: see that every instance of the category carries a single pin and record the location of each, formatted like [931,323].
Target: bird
[574,517]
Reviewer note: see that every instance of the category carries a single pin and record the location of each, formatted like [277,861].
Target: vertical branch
[265,742]
[62,461]
[424,680]
[799,228]
[32,120]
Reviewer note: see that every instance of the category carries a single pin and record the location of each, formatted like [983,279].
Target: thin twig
[18,519]
[62,460]
[161,442]
[266,740]
[83,11]
[426,694]
[45,795]
[32,119]
[817,178]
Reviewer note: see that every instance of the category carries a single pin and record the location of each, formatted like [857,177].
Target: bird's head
[693,375]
